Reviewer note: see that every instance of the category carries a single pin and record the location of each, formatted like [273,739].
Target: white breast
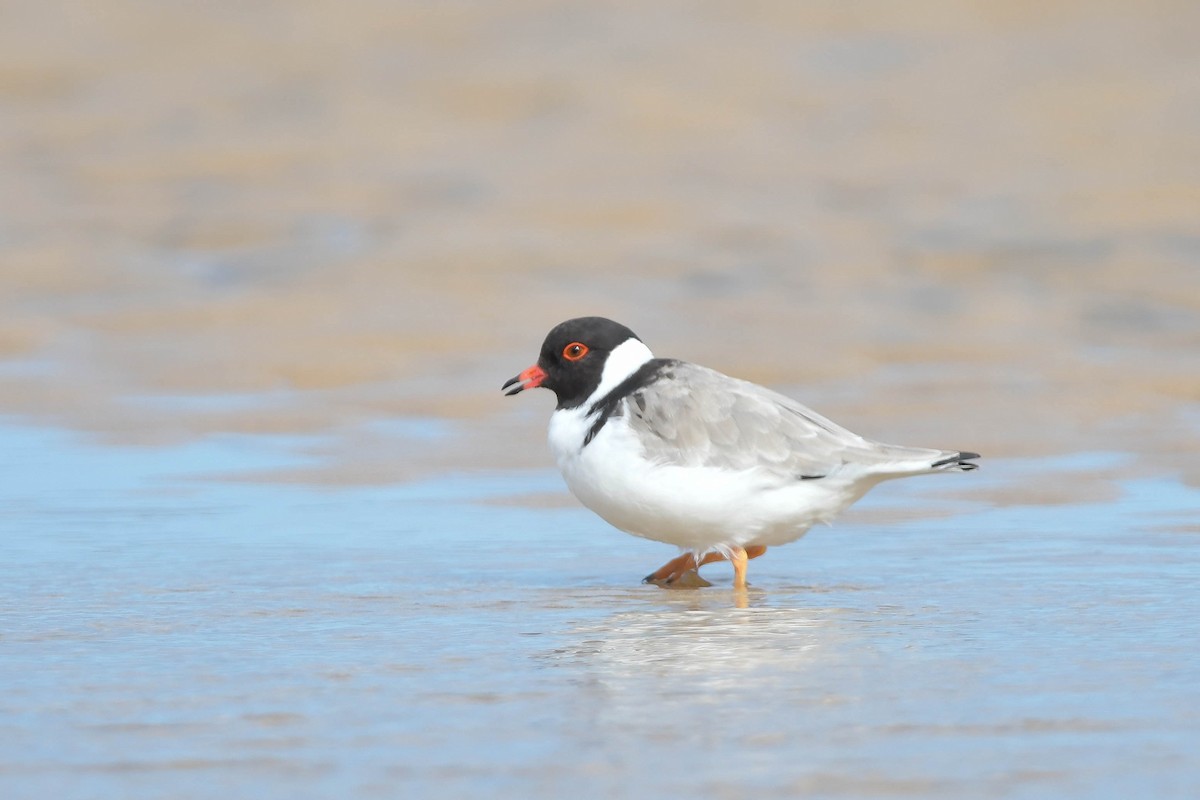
[696,508]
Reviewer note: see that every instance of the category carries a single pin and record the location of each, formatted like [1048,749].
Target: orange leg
[677,567]
[739,557]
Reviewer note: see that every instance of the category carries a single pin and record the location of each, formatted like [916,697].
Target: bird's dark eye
[575,351]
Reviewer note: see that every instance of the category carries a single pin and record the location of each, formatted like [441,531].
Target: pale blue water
[167,635]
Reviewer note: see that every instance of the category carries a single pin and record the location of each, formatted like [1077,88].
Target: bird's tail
[896,462]
[950,461]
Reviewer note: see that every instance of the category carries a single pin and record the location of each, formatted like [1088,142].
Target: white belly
[696,508]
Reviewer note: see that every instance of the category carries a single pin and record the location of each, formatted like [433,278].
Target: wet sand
[274,529]
[914,220]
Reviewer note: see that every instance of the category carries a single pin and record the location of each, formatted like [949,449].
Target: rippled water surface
[172,636]
[269,529]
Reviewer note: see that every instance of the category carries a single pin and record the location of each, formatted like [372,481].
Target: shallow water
[270,530]
[168,634]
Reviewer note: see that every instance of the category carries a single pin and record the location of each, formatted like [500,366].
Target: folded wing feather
[695,416]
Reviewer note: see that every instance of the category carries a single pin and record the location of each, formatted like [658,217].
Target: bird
[675,452]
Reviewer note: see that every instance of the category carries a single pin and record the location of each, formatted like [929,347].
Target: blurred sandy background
[955,224]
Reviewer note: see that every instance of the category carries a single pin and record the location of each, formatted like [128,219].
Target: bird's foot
[674,570]
[681,572]
[688,579]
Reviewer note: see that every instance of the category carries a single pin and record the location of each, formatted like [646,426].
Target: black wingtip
[961,460]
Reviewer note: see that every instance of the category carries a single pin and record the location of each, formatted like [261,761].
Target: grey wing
[695,416]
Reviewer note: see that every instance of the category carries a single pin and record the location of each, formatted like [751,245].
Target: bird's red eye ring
[575,351]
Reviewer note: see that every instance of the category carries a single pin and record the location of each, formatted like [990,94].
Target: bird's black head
[572,360]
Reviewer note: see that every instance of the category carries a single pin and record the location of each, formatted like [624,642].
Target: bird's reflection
[713,637]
